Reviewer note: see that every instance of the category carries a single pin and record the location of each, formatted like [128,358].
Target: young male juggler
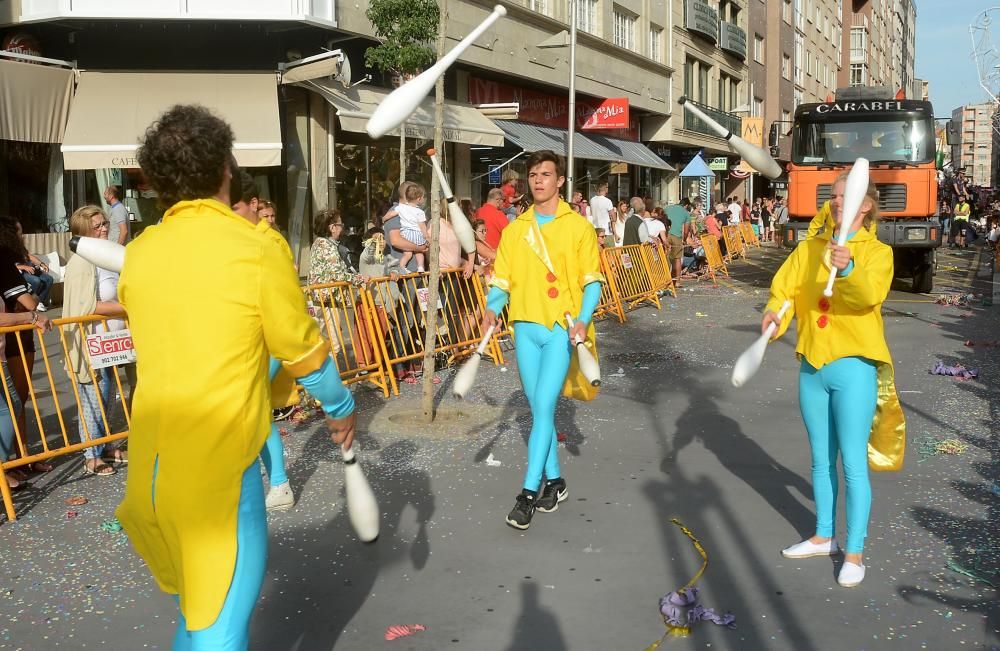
[547,266]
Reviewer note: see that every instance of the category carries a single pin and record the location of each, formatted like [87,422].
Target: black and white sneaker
[555,491]
[282,412]
[520,516]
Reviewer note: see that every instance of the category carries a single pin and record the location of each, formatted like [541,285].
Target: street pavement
[668,437]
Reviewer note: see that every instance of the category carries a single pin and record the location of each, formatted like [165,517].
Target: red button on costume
[823,321]
[553,292]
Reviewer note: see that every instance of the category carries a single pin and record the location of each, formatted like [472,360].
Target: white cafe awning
[462,123]
[112,110]
[34,101]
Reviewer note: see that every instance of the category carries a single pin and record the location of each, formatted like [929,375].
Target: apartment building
[880,43]
[975,143]
[817,49]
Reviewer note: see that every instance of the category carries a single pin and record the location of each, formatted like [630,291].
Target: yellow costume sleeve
[868,283]
[289,333]
[783,288]
[501,267]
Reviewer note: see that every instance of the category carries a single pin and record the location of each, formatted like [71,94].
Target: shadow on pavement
[536,626]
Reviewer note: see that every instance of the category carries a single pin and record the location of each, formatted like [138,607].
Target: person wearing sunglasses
[81,298]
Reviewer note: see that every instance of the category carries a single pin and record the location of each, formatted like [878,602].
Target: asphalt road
[668,437]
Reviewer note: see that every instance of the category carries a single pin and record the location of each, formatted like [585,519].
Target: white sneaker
[41,307]
[280,498]
[851,575]
[807,549]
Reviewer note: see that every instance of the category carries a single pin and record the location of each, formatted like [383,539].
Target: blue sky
[944,51]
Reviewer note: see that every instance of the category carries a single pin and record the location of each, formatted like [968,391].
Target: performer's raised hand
[342,429]
[489,320]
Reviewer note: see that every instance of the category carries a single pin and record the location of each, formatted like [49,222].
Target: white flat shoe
[807,549]
[280,498]
[851,575]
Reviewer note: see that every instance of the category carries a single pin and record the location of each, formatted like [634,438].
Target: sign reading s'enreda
[110,349]
[610,114]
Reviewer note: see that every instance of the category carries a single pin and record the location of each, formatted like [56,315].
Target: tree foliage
[406,29]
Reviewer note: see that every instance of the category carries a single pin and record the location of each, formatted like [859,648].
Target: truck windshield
[909,139]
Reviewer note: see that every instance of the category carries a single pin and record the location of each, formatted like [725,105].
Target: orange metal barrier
[347,317]
[629,272]
[460,310]
[734,242]
[658,263]
[47,436]
[609,303]
[713,256]
[749,237]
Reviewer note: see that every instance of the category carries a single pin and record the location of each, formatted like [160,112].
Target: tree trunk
[402,152]
[434,209]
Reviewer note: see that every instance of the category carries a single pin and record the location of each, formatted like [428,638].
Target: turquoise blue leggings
[838,405]
[231,629]
[542,360]
[273,452]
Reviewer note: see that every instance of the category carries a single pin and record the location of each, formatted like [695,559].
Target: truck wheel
[923,278]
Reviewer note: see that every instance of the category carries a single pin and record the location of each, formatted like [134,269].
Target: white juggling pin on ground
[466,375]
[400,103]
[588,365]
[459,223]
[99,252]
[854,195]
[362,507]
[749,362]
[759,159]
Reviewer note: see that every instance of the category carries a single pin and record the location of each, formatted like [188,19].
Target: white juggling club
[362,507]
[588,365]
[854,195]
[403,101]
[459,223]
[748,363]
[99,252]
[759,159]
[467,374]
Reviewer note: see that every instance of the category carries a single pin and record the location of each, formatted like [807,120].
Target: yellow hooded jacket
[848,324]
[201,409]
[544,269]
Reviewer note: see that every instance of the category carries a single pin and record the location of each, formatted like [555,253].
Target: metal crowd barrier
[47,436]
[658,263]
[630,273]
[346,316]
[734,242]
[460,310]
[713,256]
[610,302]
[749,237]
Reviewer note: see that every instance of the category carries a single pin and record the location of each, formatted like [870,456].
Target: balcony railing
[728,120]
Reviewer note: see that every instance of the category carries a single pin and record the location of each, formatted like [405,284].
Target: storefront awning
[462,123]
[534,137]
[112,110]
[631,152]
[34,101]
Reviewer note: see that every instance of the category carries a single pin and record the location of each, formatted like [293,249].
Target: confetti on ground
[111,526]
[955,300]
[490,461]
[982,344]
[76,500]
[958,371]
[71,514]
[930,446]
[402,630]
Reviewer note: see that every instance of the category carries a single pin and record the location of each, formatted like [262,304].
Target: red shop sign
[536,107]
[610,114]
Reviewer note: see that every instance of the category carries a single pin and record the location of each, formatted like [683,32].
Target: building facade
[817,49]
[974,143]
[879,44]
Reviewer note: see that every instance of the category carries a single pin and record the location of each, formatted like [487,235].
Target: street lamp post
[571,127]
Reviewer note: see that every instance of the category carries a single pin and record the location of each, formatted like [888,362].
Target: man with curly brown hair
[198,520]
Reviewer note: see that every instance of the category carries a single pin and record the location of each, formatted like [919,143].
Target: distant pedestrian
[118,226]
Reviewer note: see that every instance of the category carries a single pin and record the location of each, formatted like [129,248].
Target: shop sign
[718,164]
[550,110]
[618,168]
[610,114]
[110,349]
[494,177]
[626,260]
[733,39]
[753,131]
[21,43]
[701,18]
